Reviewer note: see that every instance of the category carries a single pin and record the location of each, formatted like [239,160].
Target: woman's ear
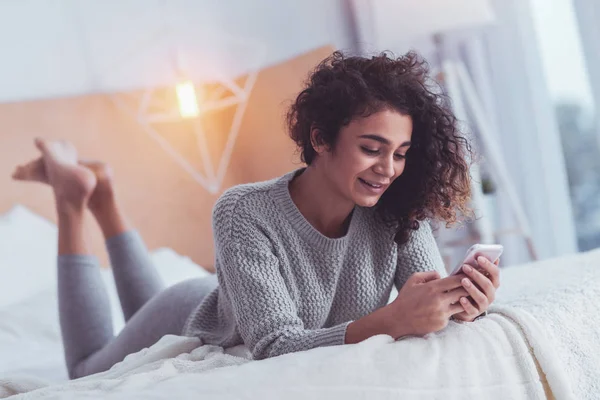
[316,140]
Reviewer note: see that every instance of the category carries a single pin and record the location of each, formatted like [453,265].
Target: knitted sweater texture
[285,287]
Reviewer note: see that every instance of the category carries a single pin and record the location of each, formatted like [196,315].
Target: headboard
[167,206]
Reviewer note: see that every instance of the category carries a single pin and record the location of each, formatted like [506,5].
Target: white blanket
[544,335]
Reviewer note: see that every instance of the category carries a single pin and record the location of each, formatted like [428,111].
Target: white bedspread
[545,327]
[488,359]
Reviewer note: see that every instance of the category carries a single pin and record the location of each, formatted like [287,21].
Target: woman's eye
[369,151]
[375,152]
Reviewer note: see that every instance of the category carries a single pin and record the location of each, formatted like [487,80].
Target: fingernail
[480,260]
[466,282]
[463,300]
[467,268]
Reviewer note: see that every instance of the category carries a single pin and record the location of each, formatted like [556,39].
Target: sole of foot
[73,184]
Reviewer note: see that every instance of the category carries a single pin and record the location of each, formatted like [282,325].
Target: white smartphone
[490,251]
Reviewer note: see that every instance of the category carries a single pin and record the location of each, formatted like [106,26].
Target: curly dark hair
[435,184]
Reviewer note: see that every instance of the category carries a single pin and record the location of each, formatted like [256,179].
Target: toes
[45,146]
[41,144]
[18,173]
[104,172]
[33,171]
[59,151]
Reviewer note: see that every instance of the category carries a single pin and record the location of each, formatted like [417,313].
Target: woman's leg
[166,313]
[85,320]
[84,309]
[136,278]
[150,312]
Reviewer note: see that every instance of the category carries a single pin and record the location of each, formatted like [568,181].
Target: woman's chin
[366,201]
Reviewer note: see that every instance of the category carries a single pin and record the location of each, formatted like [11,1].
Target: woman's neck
[319,202]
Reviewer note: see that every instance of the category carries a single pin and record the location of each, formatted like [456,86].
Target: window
[568,82]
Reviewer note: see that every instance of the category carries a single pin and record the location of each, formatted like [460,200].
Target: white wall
[55,48]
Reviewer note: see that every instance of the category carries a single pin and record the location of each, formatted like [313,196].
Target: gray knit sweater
[284,287]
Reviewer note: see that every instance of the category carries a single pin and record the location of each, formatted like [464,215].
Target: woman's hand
[481,287]
[425,303]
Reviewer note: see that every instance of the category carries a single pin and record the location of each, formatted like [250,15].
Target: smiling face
[370,153]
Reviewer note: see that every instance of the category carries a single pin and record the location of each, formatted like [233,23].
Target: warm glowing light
[188,103]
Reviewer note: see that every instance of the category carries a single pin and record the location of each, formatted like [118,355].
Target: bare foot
[35,171]
[73,184]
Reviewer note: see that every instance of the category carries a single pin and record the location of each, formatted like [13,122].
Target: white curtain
[517,99]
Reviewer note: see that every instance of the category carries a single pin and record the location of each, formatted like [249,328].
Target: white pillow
[28,251]
[28,248]
[30,341]
[174,268]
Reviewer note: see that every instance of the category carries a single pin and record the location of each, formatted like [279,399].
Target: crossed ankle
[69,209]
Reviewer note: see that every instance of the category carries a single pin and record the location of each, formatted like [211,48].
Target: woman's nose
[385,167]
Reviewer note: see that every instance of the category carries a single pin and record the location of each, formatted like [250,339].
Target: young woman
[304,260]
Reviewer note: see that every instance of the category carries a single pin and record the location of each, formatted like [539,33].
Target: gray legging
[150,311]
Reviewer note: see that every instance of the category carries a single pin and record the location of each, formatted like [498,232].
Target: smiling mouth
[370,184]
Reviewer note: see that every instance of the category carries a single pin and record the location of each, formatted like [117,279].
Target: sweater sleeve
[419,254]
[263,309]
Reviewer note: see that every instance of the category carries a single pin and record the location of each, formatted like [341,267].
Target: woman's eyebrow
[383,140]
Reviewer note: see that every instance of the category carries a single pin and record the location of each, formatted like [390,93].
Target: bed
[28,297]
[541,340]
